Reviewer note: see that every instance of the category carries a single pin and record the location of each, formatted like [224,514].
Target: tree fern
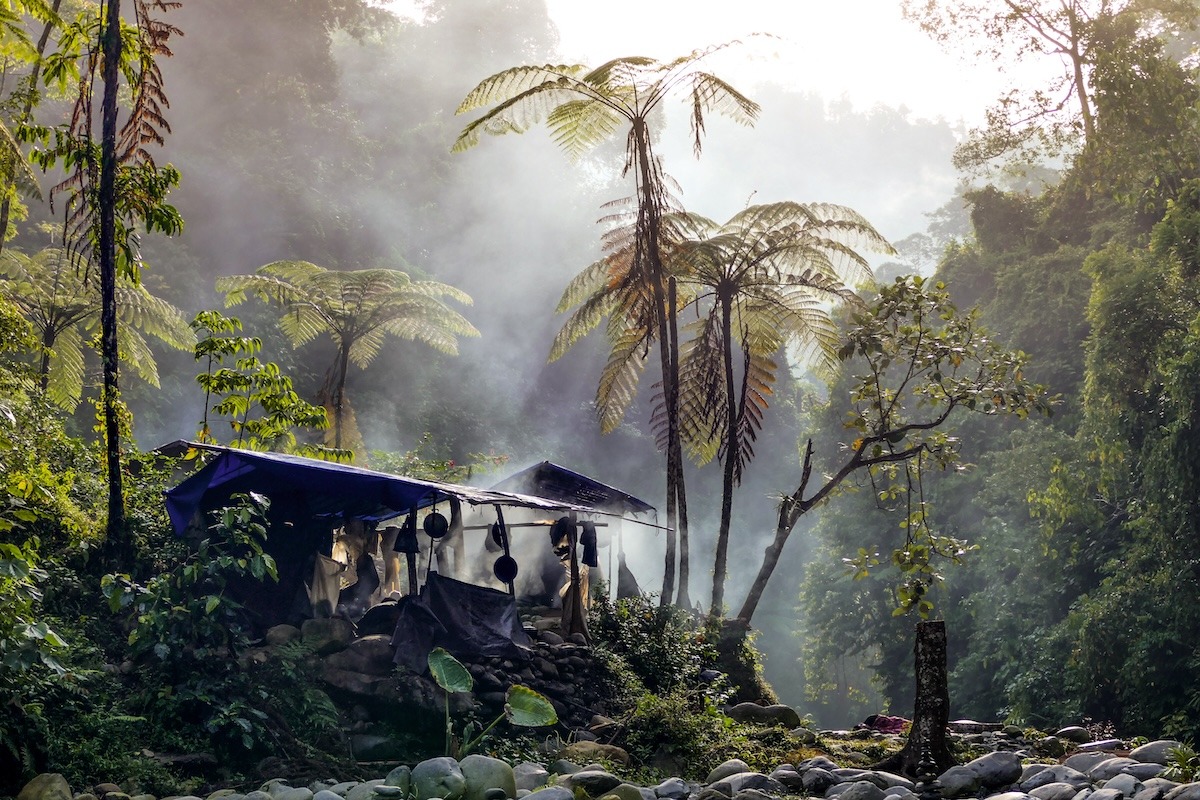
[357,309]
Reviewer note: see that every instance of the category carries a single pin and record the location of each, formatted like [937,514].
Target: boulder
[592,751]
[1124,783]
[859,790]
[596,782]
[400,776]
[438,777]
[626,791]
[817,780]
[1156,752]
[1106,745]
[325,794]
[1059,773]
[551,793]
[732,784]
[482,773]
[47,786]
[672,789]
[731,767]
[996,769]
[1074,733]
[364,790]
[370,655]
[282,634]
[1186,791]
[1054,791]
[327,635]
[529,775]
[1109,767]
[959,781]
[1085,761]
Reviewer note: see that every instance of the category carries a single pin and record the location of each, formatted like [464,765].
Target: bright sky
[862,49]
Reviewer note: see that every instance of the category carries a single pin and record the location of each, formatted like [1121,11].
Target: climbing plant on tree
[112,185]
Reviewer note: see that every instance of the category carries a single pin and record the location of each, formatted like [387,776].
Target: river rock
[672,789]
[1074,733]
[816,781]
[627,791]
[529,775]
[1128,785]
[596,782]
[1144,771]
[325,794]
[400,776]
[1156,752]
[1054,791]
[856,790]
[1186,791]
[1102,744]
[786,774]
[363,791]
[996,769]
[1085,761]
[551,793]
[732,784]
[591,751]
[731,767]
[1107,794]
[47,786]
[1058,773]
[959,781]
[1109,768]
[327,635]
[438,777]
[482,773]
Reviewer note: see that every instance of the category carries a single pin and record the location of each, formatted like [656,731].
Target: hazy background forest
[321,131]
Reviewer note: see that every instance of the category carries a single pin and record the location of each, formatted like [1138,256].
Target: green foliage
[523,706]
[188,630]
[358,310]
[421,463]
[1183,764]
[688,731]
[681,646]
[262,408]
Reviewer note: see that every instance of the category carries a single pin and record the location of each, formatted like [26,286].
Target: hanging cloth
[587,538]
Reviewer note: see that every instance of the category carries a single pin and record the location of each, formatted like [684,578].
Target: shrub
[664,646]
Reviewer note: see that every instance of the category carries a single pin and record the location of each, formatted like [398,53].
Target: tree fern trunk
[731,426]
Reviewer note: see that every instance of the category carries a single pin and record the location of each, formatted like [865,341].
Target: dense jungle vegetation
[292,155]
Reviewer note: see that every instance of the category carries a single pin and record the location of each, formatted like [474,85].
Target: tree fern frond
[619,379]
[64,383]
[578,126]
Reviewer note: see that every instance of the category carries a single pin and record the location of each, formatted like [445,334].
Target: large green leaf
[524,706]
[449,672]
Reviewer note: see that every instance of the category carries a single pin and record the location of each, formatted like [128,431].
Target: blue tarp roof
[555,482]
[324,488]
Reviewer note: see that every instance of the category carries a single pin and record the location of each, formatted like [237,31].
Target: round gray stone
[1054,791]
[959,781]
[861,790]
[438,777]
[1110,768]
[996,769]
[1156,752]
[483,773]
[731,767]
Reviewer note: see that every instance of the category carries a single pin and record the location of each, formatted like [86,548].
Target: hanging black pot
[505,569]
[436,525]
[406,540]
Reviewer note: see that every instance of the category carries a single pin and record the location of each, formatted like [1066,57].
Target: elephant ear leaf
[524,706]
[449,672]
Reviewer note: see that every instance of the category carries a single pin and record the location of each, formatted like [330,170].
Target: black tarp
[555,482]
[465,619]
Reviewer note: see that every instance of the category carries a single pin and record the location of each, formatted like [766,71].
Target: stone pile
[1096,774]
[359,673]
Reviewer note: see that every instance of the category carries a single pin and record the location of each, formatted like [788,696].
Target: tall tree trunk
[117,544]
[720,562]
[650,263]
[339,395]
[10,171]
[931,709]
[683,600]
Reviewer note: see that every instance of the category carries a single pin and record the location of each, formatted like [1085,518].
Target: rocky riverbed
[1100,770]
